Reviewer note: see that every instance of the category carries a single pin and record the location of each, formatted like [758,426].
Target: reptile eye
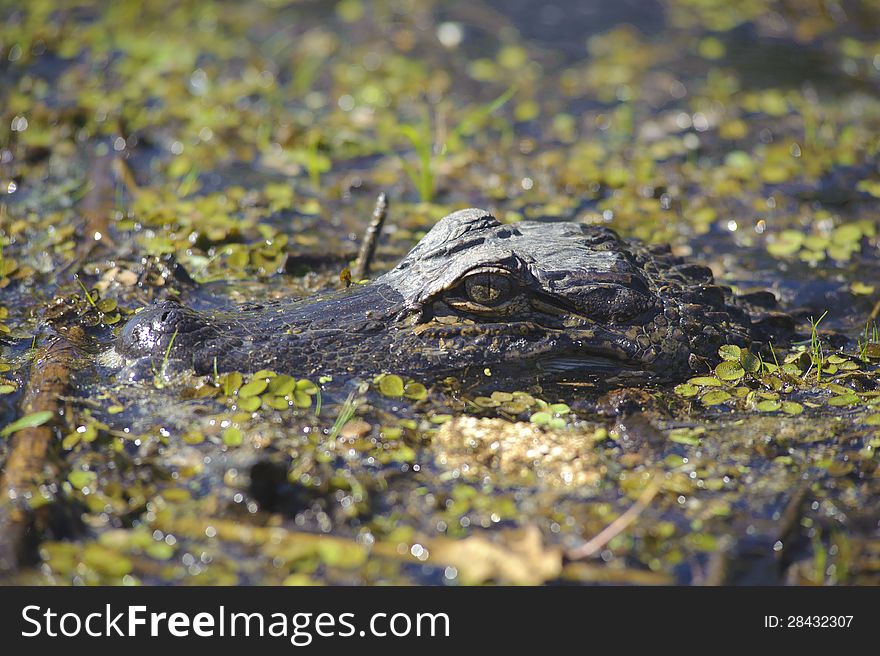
[488,288]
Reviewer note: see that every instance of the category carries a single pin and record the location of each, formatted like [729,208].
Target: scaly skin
[550,300]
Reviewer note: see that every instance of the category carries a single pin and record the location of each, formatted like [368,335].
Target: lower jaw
[598,371]
[586,365]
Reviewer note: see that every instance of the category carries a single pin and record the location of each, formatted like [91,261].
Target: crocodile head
[531,299]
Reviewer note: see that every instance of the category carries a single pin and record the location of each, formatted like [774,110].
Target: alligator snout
[153,329]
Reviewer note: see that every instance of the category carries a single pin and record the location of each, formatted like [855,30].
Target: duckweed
[232,436]
[729,371]
[391,385]
[715,398]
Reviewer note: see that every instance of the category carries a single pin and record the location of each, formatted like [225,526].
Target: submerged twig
[371,238]
[615,528]
[874,311]
[124,174]
[791,516]
[30,450]
[95,209]
[30,457]
[759,558]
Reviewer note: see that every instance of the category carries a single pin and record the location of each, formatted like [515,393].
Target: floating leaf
[843,399]
[106,305]
[729,352]
[749,361]
[159,550]
[848,233]
[253,388]
[768,406]
[788,242]
[792,408]
[415,391]
[705,381]
[729,370]
[277,402]
[232,436]
[541,418]
[193,437]
[689,436]
[80,479]
[281,385]
[840,468]
[28,421]
[687,390]
[391,385]
[238,258]
[301,399]
[106,561]
[769,367]
[715,397]
[231,382]
[250,403]
[773,383]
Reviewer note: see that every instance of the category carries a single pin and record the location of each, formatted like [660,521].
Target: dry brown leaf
[516,557]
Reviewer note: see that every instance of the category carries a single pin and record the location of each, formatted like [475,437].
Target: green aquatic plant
[345,414]
[871,343]
[189,182]
[314,161]
[773,353]
[159,376]
[305,74]
[86,292]
[428,153]
[474,119]
[422,176]
[31,420]
[816,351]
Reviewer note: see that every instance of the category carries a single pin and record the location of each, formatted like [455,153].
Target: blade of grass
[478,115]
[345,414]
[159,376]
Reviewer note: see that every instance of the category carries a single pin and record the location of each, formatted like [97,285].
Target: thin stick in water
[615,528]
[371,238]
